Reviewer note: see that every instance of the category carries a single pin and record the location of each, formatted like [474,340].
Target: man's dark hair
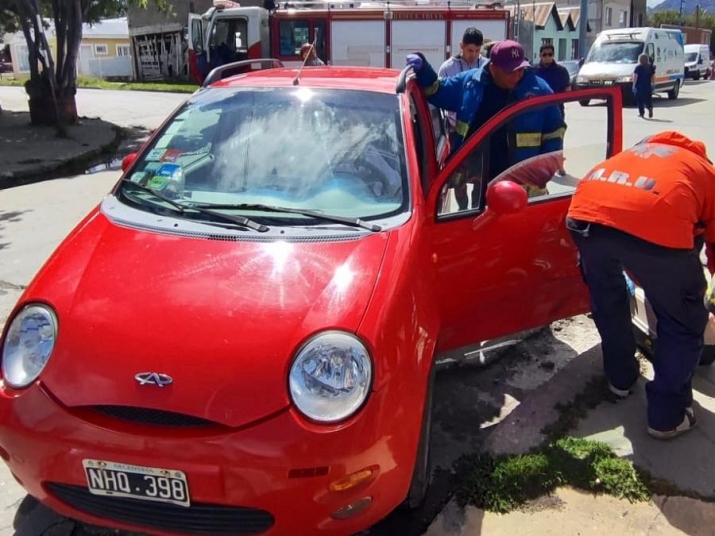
[472,36]
[547,46]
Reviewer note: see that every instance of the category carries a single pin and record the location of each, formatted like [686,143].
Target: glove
[414,61]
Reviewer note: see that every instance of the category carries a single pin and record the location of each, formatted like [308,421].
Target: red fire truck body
[347,34]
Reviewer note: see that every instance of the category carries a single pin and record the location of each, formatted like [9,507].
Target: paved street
[470,403]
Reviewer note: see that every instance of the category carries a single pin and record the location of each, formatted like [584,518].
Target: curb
[75,165]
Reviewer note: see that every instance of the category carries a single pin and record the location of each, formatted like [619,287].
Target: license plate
[137,482]
[608,82]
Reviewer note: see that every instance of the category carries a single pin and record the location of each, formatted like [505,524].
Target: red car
[241,337]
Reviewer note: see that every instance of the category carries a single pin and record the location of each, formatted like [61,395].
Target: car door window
[529,160]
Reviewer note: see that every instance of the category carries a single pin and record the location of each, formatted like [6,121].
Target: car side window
[525,152]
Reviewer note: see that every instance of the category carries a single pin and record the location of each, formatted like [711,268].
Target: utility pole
[583,28]
[680,15]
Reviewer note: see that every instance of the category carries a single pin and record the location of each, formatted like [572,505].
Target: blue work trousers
[674,282]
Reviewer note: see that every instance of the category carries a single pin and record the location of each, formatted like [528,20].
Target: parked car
[241,337]
[572,66]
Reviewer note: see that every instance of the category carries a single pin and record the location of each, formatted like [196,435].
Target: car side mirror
[127,161]
[506,197]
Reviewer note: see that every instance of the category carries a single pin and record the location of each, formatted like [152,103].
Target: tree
[53,81]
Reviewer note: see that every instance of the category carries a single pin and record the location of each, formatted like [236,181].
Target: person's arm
[635,78]
[652,76]
[445,93]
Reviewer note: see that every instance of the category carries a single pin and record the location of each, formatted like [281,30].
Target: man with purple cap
[479,94]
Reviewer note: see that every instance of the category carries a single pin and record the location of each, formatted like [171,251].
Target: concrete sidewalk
[31,154]
[686,463]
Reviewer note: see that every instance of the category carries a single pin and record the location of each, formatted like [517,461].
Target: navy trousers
[674,282]
[644,100]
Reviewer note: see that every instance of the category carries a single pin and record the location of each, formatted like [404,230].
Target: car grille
[195,519]
[153,417]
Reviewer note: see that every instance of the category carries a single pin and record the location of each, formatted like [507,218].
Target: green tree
[53,84]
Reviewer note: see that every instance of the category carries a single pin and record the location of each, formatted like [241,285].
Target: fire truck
[370,34]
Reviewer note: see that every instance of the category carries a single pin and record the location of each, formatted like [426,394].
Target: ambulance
[369,34]
[614,55]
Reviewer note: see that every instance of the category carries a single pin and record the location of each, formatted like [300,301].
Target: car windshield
[336,152]
[615,52]
[691,56]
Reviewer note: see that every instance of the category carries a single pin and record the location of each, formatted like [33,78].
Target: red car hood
[223,319]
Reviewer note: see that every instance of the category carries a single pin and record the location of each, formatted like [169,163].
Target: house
[541,23]
[609,14]
[104,50]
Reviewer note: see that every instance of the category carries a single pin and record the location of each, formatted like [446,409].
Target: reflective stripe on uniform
[432,89]
[556,134]
[528,139]
[461,128]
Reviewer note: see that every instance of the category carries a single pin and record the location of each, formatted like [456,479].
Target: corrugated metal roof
[117,28]
[540,12]
[572,12]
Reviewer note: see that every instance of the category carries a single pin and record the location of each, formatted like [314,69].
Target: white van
[614,55]
[697,61]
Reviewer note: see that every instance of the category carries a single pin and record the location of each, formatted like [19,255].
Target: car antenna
[297,76]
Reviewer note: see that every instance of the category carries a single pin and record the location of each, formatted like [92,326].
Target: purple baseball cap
[508,56]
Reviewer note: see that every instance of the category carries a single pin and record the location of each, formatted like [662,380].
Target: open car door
[197,45]
[505,262]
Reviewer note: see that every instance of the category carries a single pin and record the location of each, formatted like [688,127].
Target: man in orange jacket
[648,210]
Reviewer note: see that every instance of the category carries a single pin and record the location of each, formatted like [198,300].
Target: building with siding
[104,50]
[542,23]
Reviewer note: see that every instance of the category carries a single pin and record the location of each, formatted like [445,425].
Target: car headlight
[28,345]
[330,377]
[628,78]
[581,80]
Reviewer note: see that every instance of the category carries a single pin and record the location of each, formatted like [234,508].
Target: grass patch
[98,83]
[503,483]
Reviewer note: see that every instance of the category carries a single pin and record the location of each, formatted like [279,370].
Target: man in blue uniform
[479,94]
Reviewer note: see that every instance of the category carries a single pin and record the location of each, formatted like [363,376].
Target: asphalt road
[35,218]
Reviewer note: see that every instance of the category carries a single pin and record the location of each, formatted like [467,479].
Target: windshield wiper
[354,222]
[182,208]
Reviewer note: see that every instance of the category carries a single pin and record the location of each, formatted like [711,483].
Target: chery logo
[153,378]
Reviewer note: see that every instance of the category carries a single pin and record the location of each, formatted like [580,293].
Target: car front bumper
[271,478]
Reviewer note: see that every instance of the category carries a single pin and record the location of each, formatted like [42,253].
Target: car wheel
[584,102]
[696,76]
[421,474]
[673,93]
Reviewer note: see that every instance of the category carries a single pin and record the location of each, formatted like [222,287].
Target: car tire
[421,474]
[696,76]
[673,93]
[584,102]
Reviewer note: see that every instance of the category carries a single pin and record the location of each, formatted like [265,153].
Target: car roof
[358,78]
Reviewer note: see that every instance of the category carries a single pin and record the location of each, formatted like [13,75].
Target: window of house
[574,49]
[293,34]
[623,19]
[609,16]
[123,50]
[23,58]
[640,20]
[562,50]
[101,50]
[547,41]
